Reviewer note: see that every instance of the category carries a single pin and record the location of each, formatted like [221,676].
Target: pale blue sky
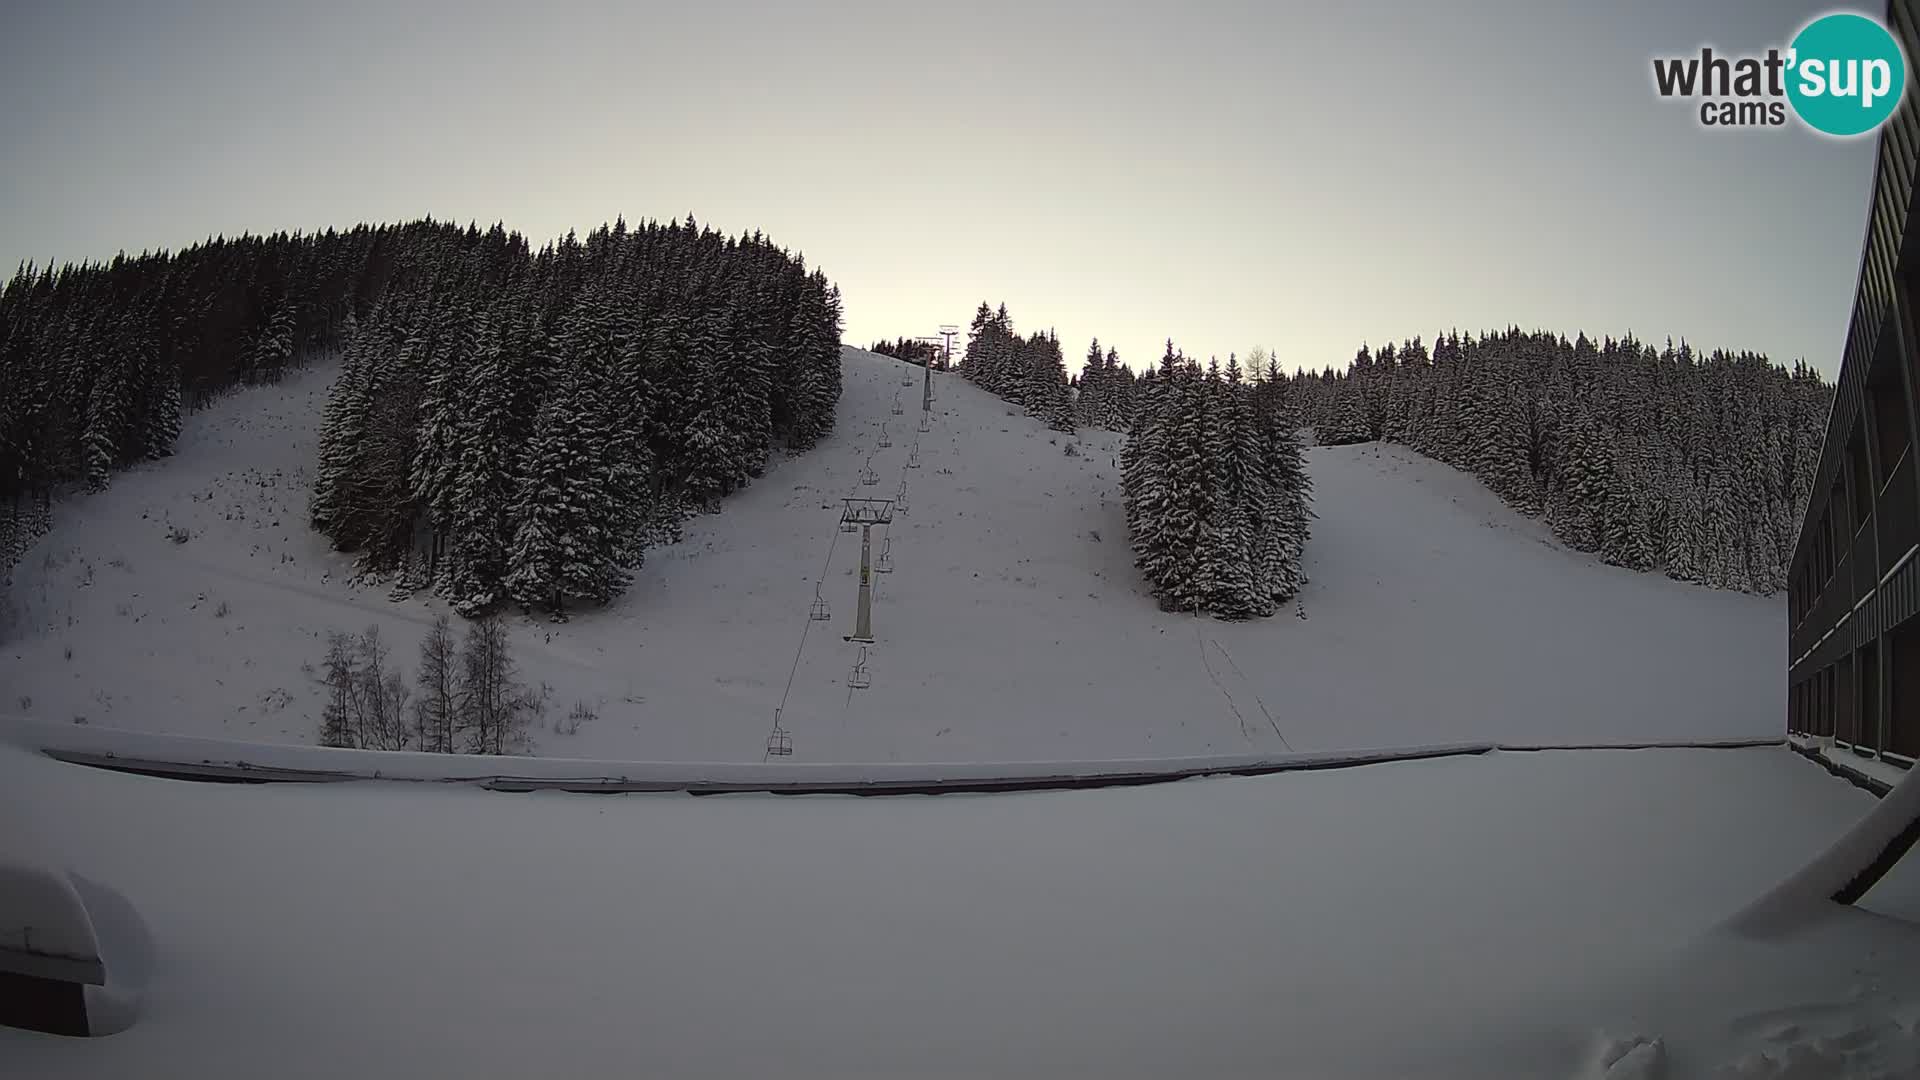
[1228,174]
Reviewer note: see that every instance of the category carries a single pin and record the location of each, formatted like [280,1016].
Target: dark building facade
[1853,644]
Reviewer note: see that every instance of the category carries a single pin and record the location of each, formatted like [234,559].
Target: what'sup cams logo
[1842,75]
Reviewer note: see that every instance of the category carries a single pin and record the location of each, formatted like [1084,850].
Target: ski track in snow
[1008,632]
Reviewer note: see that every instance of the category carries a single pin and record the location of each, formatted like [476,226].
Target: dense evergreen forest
[1656,459]
[1105,392]
[98,360]
[1216,489]
[512,425]
[1695,466]
[507,425]
[524,427]
[1028,371]
[912,350]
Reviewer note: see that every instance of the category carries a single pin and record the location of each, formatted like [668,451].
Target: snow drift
[1504,915]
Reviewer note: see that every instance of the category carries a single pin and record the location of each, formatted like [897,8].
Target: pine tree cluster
[663,360]
[1105,392]
[1656,459]
[510,426]
[1029,372]
[98,360]
[912,351]
[1216,489]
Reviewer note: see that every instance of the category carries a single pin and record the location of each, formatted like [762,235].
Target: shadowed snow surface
[1512,915]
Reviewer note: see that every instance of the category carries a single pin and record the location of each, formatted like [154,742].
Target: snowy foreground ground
[1501,916]
[1014,628]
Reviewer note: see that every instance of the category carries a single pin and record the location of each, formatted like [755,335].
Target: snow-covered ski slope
[1013,627]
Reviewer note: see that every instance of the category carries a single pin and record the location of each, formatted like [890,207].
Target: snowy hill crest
[1013,625]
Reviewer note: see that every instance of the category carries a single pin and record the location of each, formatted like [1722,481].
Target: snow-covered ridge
[184,757]
[1014,627]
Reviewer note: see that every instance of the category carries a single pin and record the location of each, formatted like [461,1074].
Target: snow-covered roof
[1480,916]
[44,929]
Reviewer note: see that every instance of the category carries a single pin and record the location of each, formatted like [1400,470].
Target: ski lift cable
[805,628]
[886,540]
[846,710]
[887,535]
[860,678]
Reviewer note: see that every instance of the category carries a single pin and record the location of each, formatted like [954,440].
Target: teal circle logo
[1845,74]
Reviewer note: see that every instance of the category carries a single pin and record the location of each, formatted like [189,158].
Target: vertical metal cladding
[1853,644]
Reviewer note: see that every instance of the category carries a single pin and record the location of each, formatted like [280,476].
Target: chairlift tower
[945,344]
[865,513]
[863,621]
[947,333]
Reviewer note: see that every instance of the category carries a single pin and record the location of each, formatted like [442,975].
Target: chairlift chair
[886,440]
[867,475]
[924,424]
[818,610]
[858,679]
[885,565]
[913,456]
[780,741]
